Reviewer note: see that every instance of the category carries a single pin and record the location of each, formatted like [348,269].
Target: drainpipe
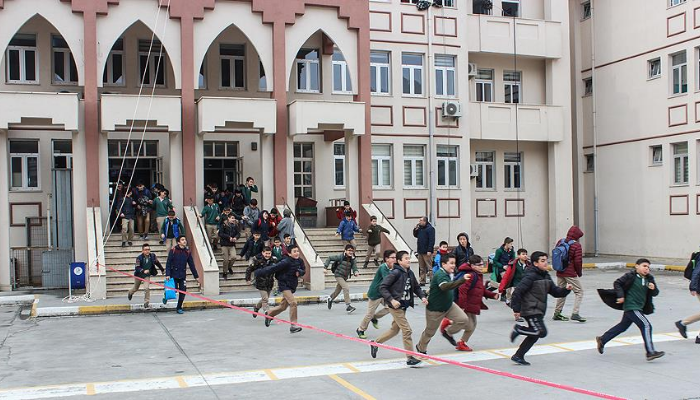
[595,136]
[431,117]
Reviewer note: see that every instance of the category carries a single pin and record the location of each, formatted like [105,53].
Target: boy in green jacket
[163,206]
[342,266]
[373,296]
[374,240]
[211,215]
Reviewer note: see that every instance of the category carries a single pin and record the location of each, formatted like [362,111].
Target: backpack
[560,255]
[688,273]
[334,267]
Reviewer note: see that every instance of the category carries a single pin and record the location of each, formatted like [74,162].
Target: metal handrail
[398,234]
[204,233]
[306,235]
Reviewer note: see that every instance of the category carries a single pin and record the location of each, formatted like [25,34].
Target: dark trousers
[180,284]
[628,318]
[534,330]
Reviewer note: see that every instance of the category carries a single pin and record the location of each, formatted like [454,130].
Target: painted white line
[237,377]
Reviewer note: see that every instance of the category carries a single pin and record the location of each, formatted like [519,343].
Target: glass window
[24,164]
[513,170]
[379,72]
[654,68]
[22,63]
[114,69]
[511,8]
[445,74]
[151,66]
[413,165]
[303,169]
[308,71]
[657,157]
[484,7]
[512,85]
[484,85]
[485,169]
[381,165]
[341,74]
[202,77]
[232,61]
[412,66]
[339,164]
[680,163]
[588,86]
[64,69]
[590,163]
[262,82]
[679,68]
[447,166]
[585,10]
[673,3]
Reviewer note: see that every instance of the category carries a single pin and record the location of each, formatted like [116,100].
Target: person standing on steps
[127,214]
[252,247]
[341,211]
[374,240]
[571,275]
[263,283]
[635,290]
[286,225]
[171,230]
[211,215]
[162,206]
[342,266]
[251,214]
[287,273]
[142,197]
[530,301]
[248,189]
[228,235]
[463,250]
[695,292]
[179,257]
[346,230]
[398,290]
[374,298]
[425,233]
[238,204]
[145,268]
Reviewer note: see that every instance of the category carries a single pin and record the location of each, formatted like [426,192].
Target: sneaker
[521,319]
[373,350]
[375,323]
[350,309]
[682,329]
[225,277]
[559,317]
[697,340]
[599,343]
[295,329]
[130,296]
[504,299]
[165,301]
[576,317]
[329,302]
[230,270]
[130,244]
[654,355]
[365,265]
[449,338]
[160,242]
[123,244]
[519,360]
[268,320]
[145,237]
[361,334]
[180,311]
[145,304]
[444,324]
[514,335]
[461,346]
[413,362]
[255,310]
[376,262]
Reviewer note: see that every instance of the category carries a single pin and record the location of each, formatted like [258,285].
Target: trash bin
[306,212]
[77,275]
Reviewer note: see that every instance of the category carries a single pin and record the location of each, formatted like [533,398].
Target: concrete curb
[622,265]
[69,311]
[17,300]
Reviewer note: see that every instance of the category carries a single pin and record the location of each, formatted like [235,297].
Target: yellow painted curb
[112,308]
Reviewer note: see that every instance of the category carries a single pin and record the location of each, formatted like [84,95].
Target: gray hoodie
[286,225]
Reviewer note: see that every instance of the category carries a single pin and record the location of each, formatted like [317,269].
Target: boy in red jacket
[469,297]
[571,276]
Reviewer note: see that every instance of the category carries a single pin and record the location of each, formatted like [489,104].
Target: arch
[129,12]
[239,15]
[16,14]
[333,27]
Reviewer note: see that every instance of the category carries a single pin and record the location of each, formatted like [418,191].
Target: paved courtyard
[222,354]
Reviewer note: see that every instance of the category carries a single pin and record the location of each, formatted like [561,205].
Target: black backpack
[688,273]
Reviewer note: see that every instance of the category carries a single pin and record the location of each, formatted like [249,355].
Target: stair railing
[203,231]
[296,222]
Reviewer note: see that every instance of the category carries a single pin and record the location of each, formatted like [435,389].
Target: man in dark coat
[179,257]
[425,233]
[287,273]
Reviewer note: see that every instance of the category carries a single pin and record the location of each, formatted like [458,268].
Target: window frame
[509,172]
[447,160]
[232,68]
[590,163]
[675,3]
[301,173]
[109,66]
[345,81]
[445,71]
[480,82]
[413,69]
[587,92]
[682,70]
[68,61]
[684,159]
[650,74]
[586,14]
[653,161]
[378,74]
[307,63]
[25,169]
[157,51]
[413,160]
[380,167]
[510,84]
[519,4]
[482,171]
[336,158]
[22,62]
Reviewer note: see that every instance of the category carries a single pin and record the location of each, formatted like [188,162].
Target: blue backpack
[560,255]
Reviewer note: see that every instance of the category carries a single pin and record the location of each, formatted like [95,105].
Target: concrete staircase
[237,280]
[327,244]
[123,259]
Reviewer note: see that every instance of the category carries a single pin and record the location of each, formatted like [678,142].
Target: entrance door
[303,170]
[222,165]
[62,201]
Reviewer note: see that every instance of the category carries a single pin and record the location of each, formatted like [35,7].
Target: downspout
[431,118]
[595,136]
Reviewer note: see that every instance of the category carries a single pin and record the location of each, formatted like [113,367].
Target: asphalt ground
[223,353]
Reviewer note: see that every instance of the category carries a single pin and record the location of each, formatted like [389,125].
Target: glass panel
[484,156]
[306,179]
[511,157]
[144,70]
[511,76]
[489,176]
[307,54]
[407,173]
[516,176]
[487,92]
[348,83]
[337,77]
[386,172]
[16,166]
[444,61]
[117,70]
[373,79]
[419,172]
[14,65]
[23,40]
[375,172]
[306,166]
[219,150]
[30,64]
[447,151]
[339,149]
[225,72]
[418,81]
[441,172]
[301,76]
[238,73]
[314,76]
[406,81]
[59,67]
[73,69]
[297,150]
[231,150]
[680,148]
[453,172]
[338,55]
[297,166]
[62,147]
[32,172]
[677,170]
[232,50]
[297,179]
[506,176]
[307,192]
[208,149]
[438,82]
[160,69]
[339,173]
[485,74]
[384,72]
[678,58]
[415,151]
[58,42]
[262,84]
[308,150]
[24,147]
[450,83]
[412,59]
[151,149]
[381,150]
[379,57]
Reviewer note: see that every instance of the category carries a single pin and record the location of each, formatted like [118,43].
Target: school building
[460,110]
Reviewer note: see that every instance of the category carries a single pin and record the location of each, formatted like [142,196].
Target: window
[62,154]
[308,71]
[445,75]
[511,8]
[448,3]
[588,86]
[381,165]
[484,7]
[220,149]
[21,60]
[262,82]
[485,170]
[679,73]
[484,85]
[232,58]
[657,157]
[339,164]
[341,75]
[513,169]
[680,163]
[413,166]
[379,72]
[303,169]
[64,69]
[24,165]
[586,10]
[114,70]
[590,163]
[151,67]
[674,3]
[447,166]
[412,65]
[654,68]
[512,85]
[202,77]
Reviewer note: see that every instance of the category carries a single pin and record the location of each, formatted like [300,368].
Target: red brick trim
[670,204]
[668,19]
[459,208]
[406,216]
[438,119]
[441,34]
[425,116]
[521,201]
[38,205]
[495,208]
[422,32]
[393,207]
[391,27]
[391,115]
[685,106]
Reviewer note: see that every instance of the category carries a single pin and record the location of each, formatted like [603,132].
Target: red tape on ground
[392,348]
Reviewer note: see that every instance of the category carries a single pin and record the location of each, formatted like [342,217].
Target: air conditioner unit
[472,70]
[473,171]
[451,109]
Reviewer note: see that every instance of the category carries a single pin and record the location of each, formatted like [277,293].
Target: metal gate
[62,209]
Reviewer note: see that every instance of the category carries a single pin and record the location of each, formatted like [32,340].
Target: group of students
[144,207]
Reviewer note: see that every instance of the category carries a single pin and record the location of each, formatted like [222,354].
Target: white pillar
[80,202]
[175,173]
[266,181]
[5,283]
[352,168]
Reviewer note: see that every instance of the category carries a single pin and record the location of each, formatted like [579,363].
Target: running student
[287,273]
[228,235]
[262,283]
[442,252]
[503,256]
[179,258]
[342,266]
[571,275]
[635,291]
[346,230]
[146,264]
[398,290]
[695,292]
[441,305]
[253,246]
[374,240]
[530,301]
[514,274]
[373,296]
[463,250]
